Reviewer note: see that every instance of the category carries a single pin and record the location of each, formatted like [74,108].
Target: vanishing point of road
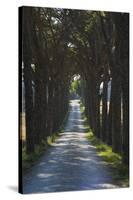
[71,164]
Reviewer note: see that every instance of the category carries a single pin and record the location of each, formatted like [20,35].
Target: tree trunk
[50,109]
[109,123]
[27,57]
[116,113]
[104,111]
[28,108]
[98,131]
[125,89]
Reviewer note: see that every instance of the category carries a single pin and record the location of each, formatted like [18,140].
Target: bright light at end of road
[76,77]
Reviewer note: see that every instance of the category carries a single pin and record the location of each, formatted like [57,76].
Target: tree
[62,42]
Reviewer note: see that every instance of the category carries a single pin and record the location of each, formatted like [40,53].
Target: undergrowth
[28,160]
[120,172]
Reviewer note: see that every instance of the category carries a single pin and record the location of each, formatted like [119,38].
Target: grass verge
[28,160]
[85,122]
[120,172]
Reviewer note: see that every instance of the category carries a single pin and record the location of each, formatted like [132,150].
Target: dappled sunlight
[71,163]
[60,144]
[44,175]
[77,120]
[83,159]
[104,185]
[74,79]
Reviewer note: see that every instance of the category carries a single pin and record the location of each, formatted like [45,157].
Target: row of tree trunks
[105,46]
[45,116]
[92,104]
[46,98]
[115,120]
[28,77]
[123,27]
[29,108]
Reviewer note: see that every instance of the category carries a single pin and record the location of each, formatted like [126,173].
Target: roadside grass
[83,116]
[29,160]
[82,107]
[120,172]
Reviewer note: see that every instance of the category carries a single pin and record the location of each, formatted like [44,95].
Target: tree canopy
[61,43]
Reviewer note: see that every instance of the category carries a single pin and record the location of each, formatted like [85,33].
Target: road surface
[71,164]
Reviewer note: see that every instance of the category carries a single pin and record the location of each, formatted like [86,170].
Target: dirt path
[71,164]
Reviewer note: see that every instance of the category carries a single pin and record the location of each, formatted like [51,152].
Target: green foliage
[75,87]
[104,150]
[51,139]
[82,107]
[28,160]
[120,172]
[85,122]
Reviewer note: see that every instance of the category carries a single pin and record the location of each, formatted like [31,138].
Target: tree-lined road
[71,163]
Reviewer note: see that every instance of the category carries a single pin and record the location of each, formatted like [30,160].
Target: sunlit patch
[44,175]
[76,120]
[83,146]
[82,159]
[59,144]
[91,146]
[72,162]
[52,161]
[105,185]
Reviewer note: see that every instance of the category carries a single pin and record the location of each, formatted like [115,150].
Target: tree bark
[28,107]
[27,57]
[116,113]
[104,110]
[125,89]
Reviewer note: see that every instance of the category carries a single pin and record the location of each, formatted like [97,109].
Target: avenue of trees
[58,43]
